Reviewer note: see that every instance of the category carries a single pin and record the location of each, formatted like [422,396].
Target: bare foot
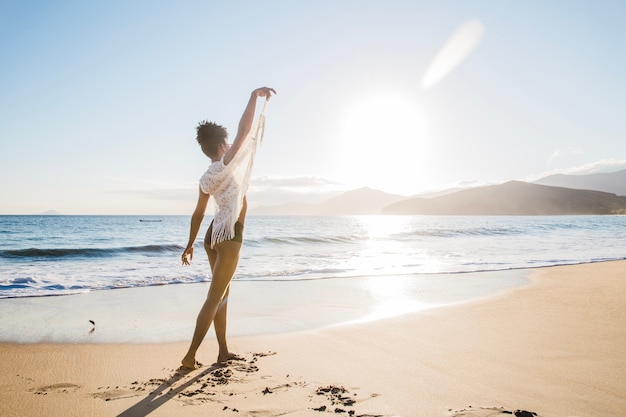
[228,357]
[189,363]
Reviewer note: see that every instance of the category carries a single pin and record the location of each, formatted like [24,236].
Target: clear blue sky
[99,100]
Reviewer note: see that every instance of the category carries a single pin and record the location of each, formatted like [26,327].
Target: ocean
[59,255]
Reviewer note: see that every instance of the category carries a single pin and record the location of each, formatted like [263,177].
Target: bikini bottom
[237,238]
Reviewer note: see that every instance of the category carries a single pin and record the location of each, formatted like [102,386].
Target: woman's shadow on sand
[199,388]
[167,390]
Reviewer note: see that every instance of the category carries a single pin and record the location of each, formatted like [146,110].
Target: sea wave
[452,232]
[61,253]
[299,240]
[294,274]
[30,287]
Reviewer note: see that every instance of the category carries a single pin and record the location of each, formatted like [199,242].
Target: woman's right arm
[245,124]
[196,222]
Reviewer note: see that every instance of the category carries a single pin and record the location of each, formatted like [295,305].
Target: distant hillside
[514,198]
[614,182]
[361,201]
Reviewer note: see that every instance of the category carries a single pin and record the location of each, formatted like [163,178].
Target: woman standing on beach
[227,180]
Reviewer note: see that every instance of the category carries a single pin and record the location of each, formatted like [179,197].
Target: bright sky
[99,100]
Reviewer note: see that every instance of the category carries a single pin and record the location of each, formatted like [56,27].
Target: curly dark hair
[210,136]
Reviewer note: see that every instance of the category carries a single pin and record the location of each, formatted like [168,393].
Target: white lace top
[229,183]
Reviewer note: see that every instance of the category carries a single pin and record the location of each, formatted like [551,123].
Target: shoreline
[554,347]
[167,313]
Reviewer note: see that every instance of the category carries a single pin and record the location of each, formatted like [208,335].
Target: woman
[227,180]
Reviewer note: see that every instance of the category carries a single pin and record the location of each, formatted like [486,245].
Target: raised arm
[196,222]
[245,124]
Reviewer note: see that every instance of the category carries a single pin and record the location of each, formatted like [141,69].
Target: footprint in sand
[239,382]
[115,394]
[63,387]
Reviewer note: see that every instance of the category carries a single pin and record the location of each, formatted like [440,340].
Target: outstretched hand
[187,256]
[264,92]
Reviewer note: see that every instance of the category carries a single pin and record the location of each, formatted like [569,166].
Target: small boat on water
[149,221]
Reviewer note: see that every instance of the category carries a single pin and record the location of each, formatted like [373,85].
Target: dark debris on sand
[524,413]
[338,396]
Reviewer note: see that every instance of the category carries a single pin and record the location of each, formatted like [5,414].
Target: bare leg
[219,323]
[223,271]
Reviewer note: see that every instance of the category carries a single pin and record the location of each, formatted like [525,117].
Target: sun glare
[383,143]
[382,226]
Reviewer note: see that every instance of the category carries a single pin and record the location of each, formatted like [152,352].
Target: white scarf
[229,183]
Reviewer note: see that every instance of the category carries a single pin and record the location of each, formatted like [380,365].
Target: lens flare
[456,49]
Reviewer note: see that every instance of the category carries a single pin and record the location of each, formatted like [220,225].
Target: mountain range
[614,182]
[514,198]
[552,195]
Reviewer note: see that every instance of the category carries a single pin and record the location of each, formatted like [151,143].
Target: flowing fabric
[229,183]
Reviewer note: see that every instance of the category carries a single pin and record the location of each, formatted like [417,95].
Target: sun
[382,143]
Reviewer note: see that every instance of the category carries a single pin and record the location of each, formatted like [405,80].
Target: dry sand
[555,347]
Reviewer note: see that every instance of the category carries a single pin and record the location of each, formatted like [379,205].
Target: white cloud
[176,194]
[157,190]
[296,184]
[603,165]
[301,189]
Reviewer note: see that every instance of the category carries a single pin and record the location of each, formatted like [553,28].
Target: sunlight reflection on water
[393,296]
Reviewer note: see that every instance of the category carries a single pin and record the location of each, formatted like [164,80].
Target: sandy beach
[555,347]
